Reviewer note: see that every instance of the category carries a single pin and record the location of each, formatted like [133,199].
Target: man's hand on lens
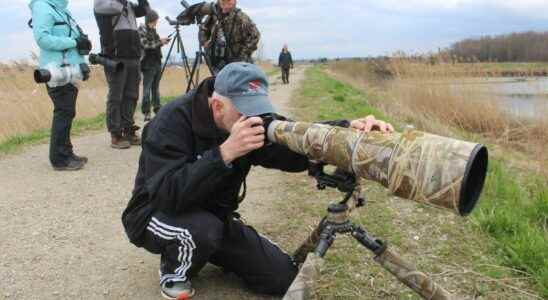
[370,123]
[246,135]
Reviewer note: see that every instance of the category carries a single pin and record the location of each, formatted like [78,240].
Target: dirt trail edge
[61,235]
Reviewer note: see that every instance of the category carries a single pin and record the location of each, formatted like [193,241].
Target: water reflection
[523,97]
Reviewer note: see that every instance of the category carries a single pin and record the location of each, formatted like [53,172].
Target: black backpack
[106,24]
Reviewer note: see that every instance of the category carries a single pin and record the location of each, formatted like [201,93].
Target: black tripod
[195,72]
[177,40]
[192,75]
[336,222]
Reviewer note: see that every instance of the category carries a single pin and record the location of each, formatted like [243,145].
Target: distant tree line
[516,47]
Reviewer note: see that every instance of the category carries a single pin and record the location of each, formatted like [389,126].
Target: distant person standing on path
[151,63]
[61,44]
[285,62]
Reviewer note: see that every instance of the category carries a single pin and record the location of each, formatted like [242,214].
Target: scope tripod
[337,221]
[192,75]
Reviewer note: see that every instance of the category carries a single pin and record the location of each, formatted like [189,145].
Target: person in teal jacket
[61,42]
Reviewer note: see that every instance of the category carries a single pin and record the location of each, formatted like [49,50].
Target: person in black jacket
[285,62]
[196,155]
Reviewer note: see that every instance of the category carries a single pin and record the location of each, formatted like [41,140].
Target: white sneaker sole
[165,296]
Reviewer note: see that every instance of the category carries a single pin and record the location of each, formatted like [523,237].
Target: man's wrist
[225,155]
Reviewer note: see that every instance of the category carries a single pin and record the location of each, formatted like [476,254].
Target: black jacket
[181,167]
[117,21]
[285,59]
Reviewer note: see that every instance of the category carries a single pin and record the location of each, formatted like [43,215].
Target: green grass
[333,100]
[508,228]
[79,126]
[514,212]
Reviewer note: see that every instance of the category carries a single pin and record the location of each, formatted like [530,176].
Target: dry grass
[26,105]
[436,98]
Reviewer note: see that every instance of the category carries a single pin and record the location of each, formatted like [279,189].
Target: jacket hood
[62,4]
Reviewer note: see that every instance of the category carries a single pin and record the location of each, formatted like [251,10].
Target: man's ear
[217,107]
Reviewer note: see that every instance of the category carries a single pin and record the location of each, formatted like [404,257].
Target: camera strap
[59,23]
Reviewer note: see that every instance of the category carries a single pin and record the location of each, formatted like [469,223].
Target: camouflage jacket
[242,35]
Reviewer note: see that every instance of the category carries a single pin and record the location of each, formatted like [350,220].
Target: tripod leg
[192,73]
[184,58]
[303,286]
[309,245]
[421,283]
[167,57]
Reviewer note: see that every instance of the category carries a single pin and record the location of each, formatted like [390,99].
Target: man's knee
[277,284]
[206,230]
[209,237]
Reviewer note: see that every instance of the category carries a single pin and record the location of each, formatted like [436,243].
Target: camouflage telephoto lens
[414,165]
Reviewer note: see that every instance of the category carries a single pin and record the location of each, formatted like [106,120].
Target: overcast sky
[321,28]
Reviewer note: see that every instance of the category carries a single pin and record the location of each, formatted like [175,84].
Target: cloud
[316,28]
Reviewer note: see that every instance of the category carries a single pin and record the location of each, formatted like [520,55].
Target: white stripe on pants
[186,248]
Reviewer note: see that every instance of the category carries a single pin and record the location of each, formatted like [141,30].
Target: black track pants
[187,242]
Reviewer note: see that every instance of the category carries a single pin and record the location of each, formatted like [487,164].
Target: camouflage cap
[246,86]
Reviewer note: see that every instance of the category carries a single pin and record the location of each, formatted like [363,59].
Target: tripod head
[340,180]
[175,22]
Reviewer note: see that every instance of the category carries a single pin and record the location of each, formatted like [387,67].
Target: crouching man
[196,155]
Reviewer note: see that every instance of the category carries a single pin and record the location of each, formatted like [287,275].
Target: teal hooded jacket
[56,40]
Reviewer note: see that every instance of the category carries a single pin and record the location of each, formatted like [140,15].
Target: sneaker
[117,142]
[177,290]
[80,158]
[72,165]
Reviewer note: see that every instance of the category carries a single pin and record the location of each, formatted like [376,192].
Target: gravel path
[61,235]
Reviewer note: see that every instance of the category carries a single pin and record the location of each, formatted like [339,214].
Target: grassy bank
[79,126]
[500,252]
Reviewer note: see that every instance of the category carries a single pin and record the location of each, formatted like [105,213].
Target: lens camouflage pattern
[414,165]
[410,276]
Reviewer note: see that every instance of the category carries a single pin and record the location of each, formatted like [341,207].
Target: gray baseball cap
[246,86]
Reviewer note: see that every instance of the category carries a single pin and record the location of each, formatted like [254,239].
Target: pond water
[523,97]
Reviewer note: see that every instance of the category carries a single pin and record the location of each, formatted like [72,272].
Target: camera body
[55,76]
[110,65]
[83,44]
